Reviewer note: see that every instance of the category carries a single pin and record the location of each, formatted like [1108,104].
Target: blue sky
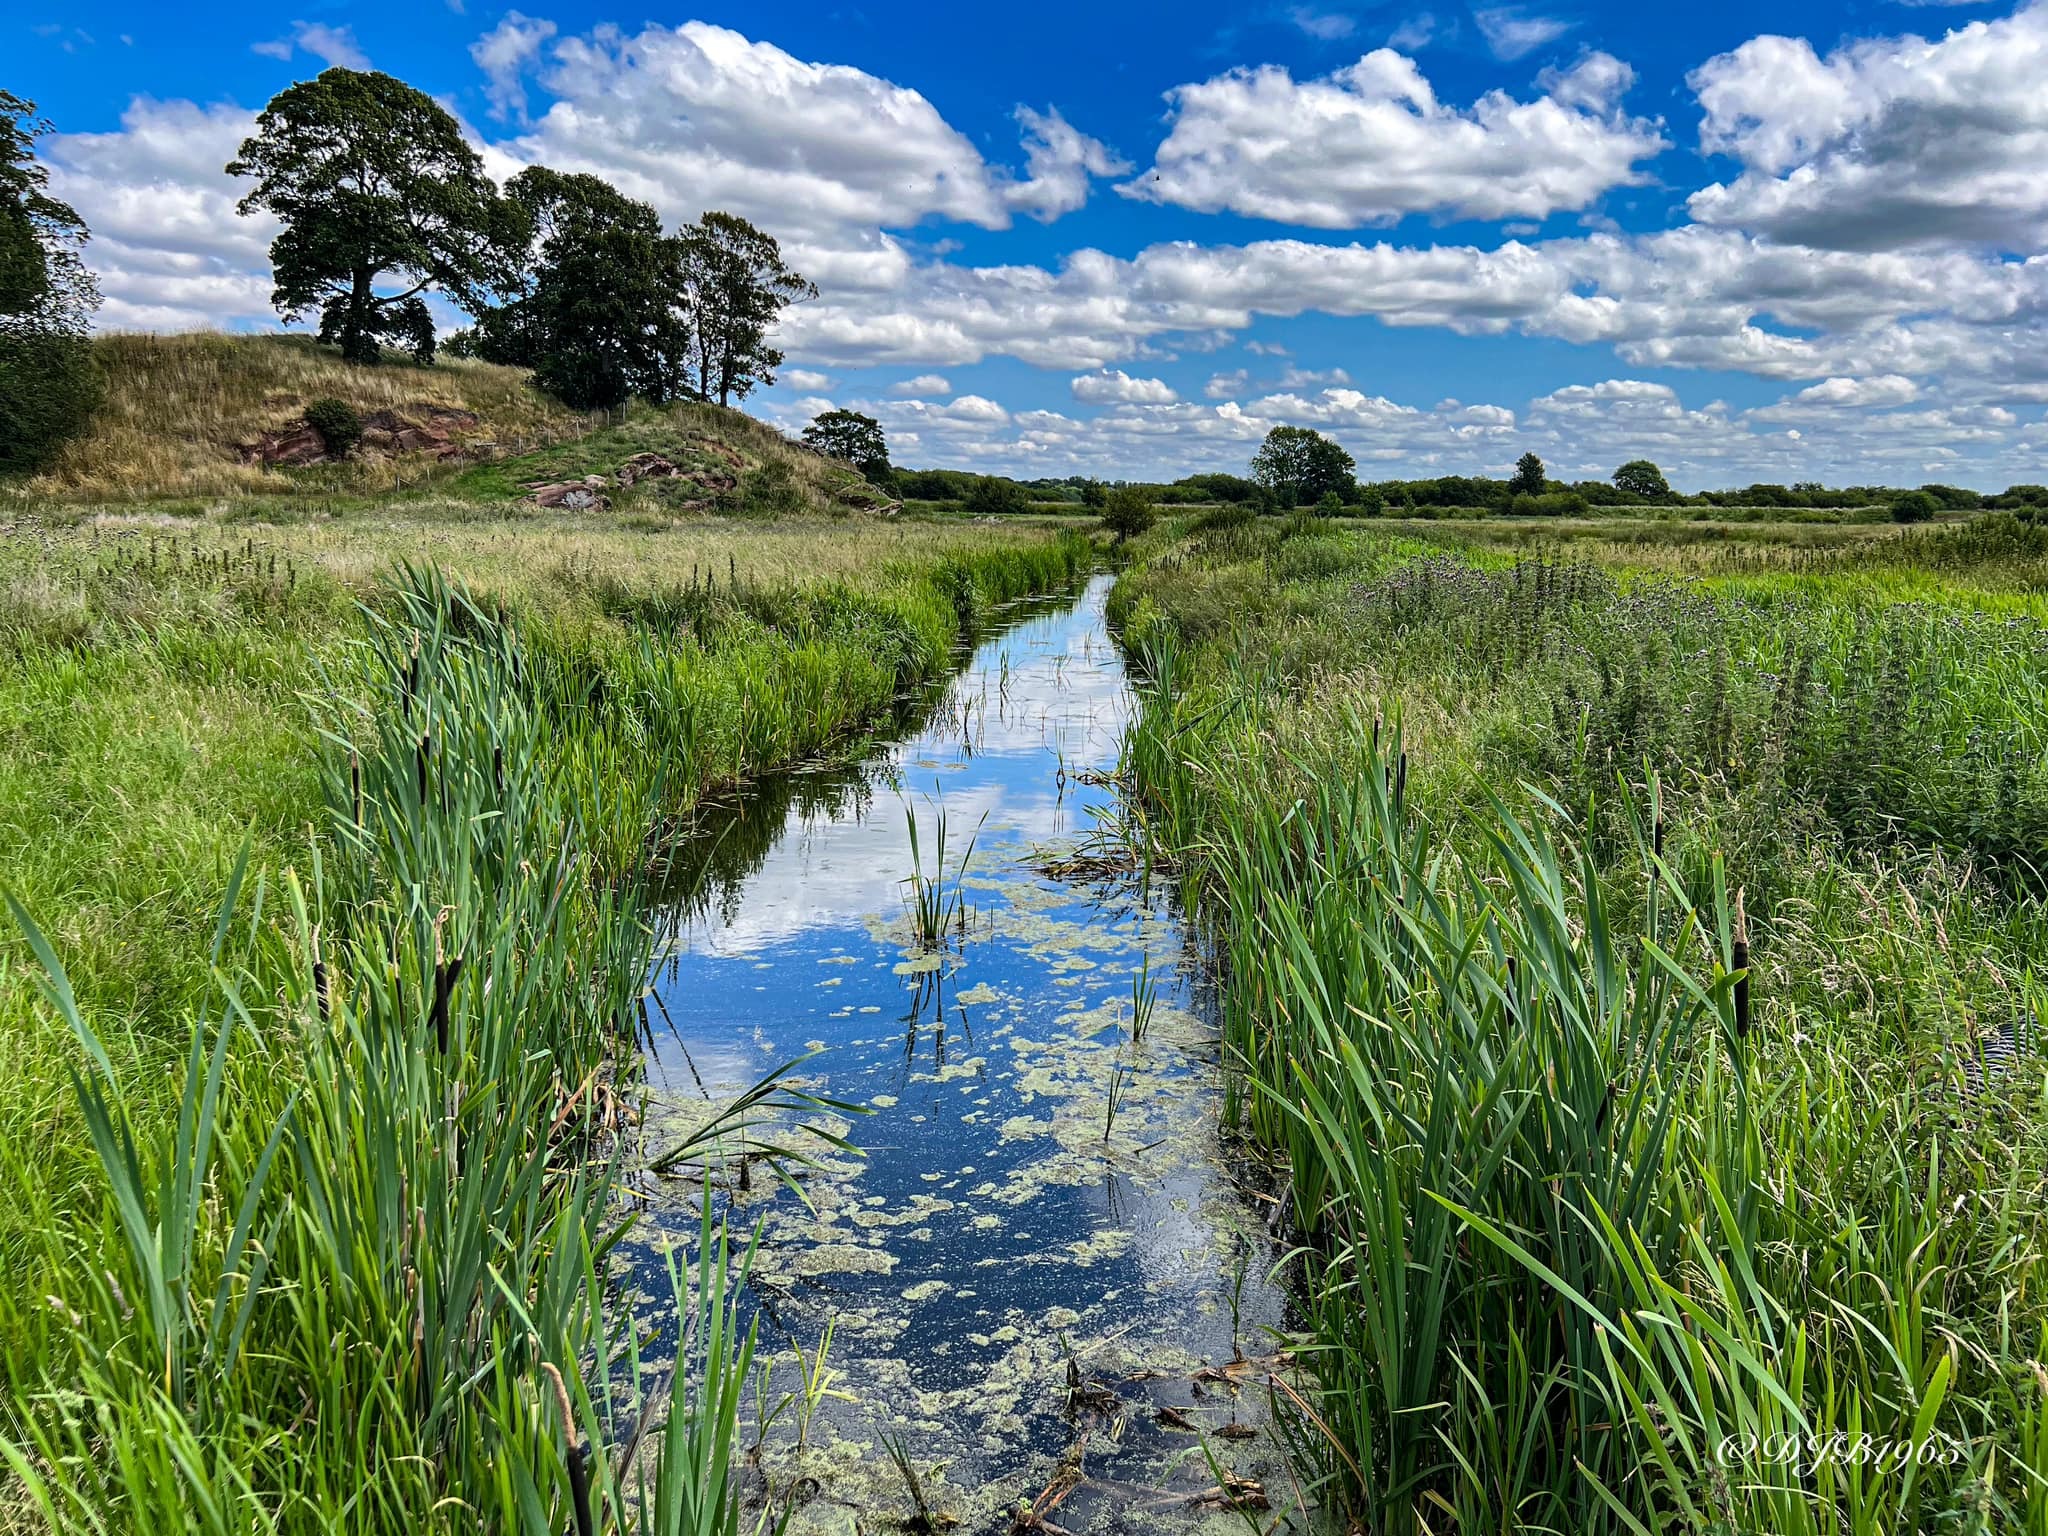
[1802,243]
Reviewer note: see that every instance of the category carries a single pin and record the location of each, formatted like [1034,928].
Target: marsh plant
[937,908]
[1594,1169]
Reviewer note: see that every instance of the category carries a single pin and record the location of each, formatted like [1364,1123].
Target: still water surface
[1001,1235]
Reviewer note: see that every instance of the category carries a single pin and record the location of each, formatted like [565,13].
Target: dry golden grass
[177,405]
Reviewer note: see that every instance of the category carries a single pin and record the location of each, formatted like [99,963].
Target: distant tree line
[382,201]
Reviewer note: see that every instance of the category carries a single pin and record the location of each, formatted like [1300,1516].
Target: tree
[737,285]
[1298,464]
[374,181]
[1094,493]
[48,384]
[990,496]
[1127,511]
[853,437]
[1641,479]
[1528,477]
[1915,507]
[598,316]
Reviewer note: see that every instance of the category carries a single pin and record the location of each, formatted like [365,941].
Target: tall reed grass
[1596,1202]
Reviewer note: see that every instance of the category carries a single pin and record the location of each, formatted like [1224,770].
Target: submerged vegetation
[1630,974]
[332,889]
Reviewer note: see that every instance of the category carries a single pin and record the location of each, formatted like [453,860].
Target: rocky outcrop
[424,428]
[585,495]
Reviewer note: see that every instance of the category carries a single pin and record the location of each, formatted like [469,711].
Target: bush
[1127,511]
[49,389]
[339,426]
[1914,507]
[1550,504]
[993,497]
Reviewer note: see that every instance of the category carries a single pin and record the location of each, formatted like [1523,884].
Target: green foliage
[1606,1176]
[1127,511]
[1548,504]
[1641,479]
[735,286]
[1300,466]
[1915,507]
[339,426]
[854,438]
[597,314]
[1528,479]
[371,180]
[994,496]
[48,385]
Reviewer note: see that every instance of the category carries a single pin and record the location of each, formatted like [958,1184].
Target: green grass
[421,997]
[1583,1186]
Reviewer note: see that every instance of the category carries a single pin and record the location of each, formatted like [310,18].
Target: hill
[212,415]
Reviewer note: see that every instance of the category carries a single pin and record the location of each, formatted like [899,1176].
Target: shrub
[1914,507]
[1550,504]
[1127,511]
[339,426]
[993,497]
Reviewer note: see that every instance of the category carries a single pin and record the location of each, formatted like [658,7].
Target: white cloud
[698,116]
[1113,384]
[806,379]
[335,46]
[1371,143]
[1326,26]
[505,54]
[1227,386]
[1885,143]
[1510,31]
[1416,33]
[923,384]
[1886,389]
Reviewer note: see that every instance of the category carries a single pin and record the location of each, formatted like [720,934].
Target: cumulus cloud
[699,116]
[505,54]
[923,384]
[806,379]
[1371,143]
[1227,386]
[1886,389]
[167,246]
[1884,143]
[1113,384]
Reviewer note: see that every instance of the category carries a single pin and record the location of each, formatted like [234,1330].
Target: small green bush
[339,426]
[1915,507]
[49,389]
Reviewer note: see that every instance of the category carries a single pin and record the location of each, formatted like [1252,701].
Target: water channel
[1041,1299]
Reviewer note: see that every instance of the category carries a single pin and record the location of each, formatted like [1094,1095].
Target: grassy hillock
[177,407]
[179,410]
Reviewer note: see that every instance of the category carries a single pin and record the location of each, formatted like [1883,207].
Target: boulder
[574,495]
[646,466]
[419,428]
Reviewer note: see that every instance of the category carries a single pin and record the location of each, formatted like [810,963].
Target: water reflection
[1037,1250]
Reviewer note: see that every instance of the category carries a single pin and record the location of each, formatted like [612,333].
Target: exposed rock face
[421,428]
[585,495]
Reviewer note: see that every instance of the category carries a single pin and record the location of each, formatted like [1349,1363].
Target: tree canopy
[1127,511]
[381,200]
[48,385]
[857,439]
[596,317]
[1639,477]
[736,285]
[1528,478]
[1299,465]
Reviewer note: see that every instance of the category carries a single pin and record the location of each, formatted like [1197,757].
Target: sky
[1783,243]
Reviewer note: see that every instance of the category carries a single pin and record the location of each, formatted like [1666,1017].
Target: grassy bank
[365,1073]
[1631,972]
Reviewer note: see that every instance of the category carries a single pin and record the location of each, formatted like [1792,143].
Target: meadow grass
[339,882]
[1631,976]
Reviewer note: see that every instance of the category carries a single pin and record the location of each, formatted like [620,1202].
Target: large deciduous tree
[1528,477]
[737,284]
[597,316]
[1643,479]
[857,439]
[381,200]
[48,384]
[1300,466]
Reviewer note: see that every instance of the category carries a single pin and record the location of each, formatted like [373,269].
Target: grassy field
[335,814]
[1630,961]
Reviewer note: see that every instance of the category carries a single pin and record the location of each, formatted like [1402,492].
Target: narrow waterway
[1041,1283]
